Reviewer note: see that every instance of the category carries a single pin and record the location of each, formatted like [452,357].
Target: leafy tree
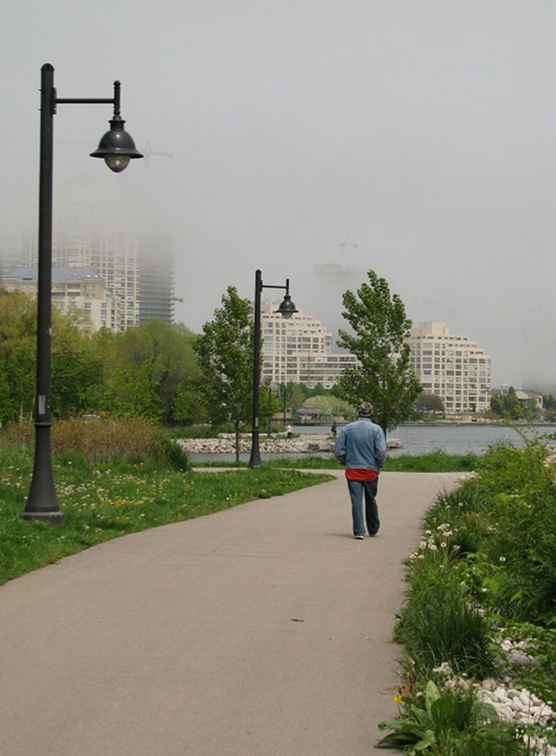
[384,376]
[269,405]
[225,355]
[144,368]
[330,406]
[75,373]
[189,405]
[429,403]
[7,405]
[549,402]
[506,404]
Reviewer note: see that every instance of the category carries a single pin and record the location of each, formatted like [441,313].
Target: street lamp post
[117,148]
[286,310]
[285,403]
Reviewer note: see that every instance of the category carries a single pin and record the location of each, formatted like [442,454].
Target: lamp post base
[255,456]
[52,518]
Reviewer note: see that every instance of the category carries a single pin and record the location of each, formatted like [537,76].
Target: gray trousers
[368,489]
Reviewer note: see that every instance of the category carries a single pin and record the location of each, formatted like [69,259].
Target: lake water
[421,439]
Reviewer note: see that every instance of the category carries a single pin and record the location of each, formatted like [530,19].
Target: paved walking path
[263,630]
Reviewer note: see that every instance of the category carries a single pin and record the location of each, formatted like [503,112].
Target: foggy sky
[416,138]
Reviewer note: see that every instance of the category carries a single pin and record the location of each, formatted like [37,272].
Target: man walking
[361,448]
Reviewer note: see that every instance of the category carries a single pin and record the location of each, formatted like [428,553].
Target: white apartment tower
[138,271]
[74,290]
[452,367]
[299,350]
[115,258]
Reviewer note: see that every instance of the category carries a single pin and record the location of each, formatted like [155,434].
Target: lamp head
[287,307]
[117,147]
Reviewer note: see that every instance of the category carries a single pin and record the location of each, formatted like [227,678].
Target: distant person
[289,431]
[333,428]
[361,448]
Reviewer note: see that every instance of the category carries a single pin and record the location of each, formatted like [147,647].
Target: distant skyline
[417,139]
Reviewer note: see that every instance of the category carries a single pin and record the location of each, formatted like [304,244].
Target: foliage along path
[264,629]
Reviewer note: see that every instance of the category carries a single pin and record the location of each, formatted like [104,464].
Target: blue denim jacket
[361,445]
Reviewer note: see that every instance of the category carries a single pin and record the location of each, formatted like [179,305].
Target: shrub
[173,453]
[495,740]
[439,623]
[523,540]
[442,723]
[113,440]
[507,470]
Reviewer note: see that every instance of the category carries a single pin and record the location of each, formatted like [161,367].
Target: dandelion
[398,699]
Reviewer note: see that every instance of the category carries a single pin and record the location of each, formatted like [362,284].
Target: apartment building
[79,291]
[138,270]
[114,257]
[299,350]
[452,367]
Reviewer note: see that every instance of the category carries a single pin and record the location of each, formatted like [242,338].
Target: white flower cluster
[516,705]
[436,540]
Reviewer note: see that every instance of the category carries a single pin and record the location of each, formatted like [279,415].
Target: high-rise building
[138,271]
[156,279]
[74,290]
[114,257]
[453,368]
[299,350]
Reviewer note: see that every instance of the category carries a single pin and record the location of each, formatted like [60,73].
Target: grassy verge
[433,462]
[479,619]
[104,501]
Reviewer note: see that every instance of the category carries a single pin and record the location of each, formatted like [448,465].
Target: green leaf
[432,694]
[428,741]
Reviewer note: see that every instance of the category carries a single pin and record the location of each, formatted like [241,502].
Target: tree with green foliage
[144,369]
[75,369]
[225,355]
[330,407]
[505,404]
[501,402]
[378,338]
[429,403]
[189,405]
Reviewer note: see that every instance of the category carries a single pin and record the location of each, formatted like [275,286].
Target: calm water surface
[421,439]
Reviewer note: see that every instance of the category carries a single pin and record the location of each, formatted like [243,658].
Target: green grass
[433,462]
[106,501]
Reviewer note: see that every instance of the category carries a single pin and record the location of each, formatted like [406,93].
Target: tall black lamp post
[116,148]
[286,310]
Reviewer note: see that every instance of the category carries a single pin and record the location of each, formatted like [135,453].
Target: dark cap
[365,409]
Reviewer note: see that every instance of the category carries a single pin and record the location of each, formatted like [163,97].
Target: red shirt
[358,473]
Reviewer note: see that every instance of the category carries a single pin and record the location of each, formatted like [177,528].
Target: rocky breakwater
[225,444]
[278,444]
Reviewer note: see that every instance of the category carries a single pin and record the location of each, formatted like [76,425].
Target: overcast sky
[416,138]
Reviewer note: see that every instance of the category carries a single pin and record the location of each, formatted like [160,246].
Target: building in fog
[299,350]
[138,271]
[114,257]
[78,291]
[453,368]
[156,279]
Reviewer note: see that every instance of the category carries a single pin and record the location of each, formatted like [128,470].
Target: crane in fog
[148,153]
